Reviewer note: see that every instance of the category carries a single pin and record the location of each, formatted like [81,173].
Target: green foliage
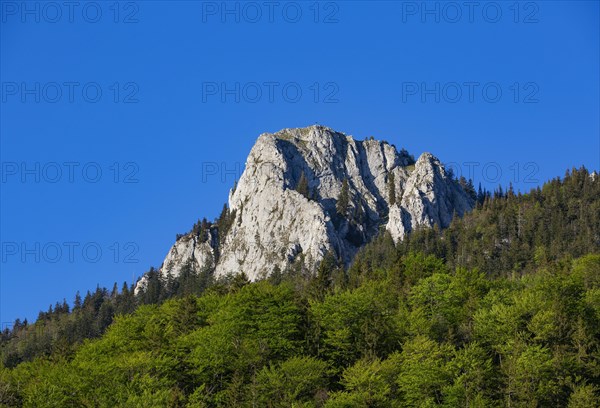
[294,381]
[453,338]
[355,324]
[202,229]
[517,233]
[424,372]
[584,396]
[391,183]
[502,309]
[224,223]
[468,187]
[324,277]
[302,186]
[473,373]
[417,265]
[343,200]
[369,383]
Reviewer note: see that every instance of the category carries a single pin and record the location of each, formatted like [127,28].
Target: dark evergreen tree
[153,289]
[302,186]
[77,303]
[238,282]
[224,222]
[343,200]
[391,188]
[276,276]
[322,280]
[115,291]
[480,195]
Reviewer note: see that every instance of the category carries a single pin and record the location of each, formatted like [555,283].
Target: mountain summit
[311,191]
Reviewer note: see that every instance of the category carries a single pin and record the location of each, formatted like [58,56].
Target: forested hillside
[501,309]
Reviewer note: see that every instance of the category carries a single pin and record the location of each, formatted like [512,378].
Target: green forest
[500,309]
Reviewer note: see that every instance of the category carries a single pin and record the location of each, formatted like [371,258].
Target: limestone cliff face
[276,222]
[430,197]
[190,248]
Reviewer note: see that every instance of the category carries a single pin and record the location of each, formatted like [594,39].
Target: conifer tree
[343,199]
[480,195]
[276,276]
[392,189]
[77,303]
[302,186]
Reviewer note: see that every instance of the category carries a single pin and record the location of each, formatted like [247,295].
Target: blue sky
[123,124]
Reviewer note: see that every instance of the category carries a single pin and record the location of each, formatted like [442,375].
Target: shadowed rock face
[275,225]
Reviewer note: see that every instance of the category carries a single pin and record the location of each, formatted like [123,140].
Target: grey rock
[276,226]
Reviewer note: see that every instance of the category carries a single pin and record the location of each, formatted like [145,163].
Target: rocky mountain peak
[311,191]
